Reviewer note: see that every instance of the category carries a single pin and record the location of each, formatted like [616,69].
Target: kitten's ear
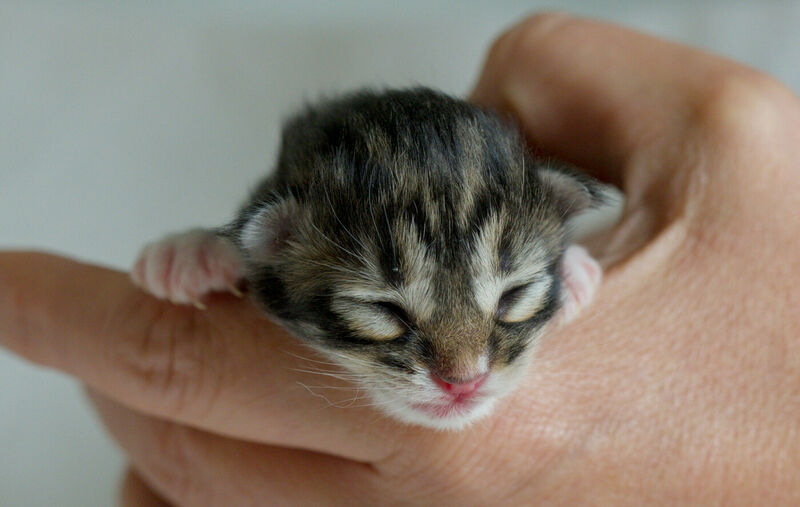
[574,191]
[266,232]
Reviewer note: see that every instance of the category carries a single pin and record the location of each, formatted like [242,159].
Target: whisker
[389,228]
[336,388]
[315,394]
[336,216]
[337,245]
[372,216]
[331,374]
[332,266]
[341,404]
[298,356]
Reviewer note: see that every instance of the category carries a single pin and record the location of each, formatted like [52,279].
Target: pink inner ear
[267,232]
[581,276]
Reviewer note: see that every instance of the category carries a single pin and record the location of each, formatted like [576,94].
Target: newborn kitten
[409,237]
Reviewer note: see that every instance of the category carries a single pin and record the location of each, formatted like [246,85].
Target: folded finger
[228,369]
[600,95]
[192,467]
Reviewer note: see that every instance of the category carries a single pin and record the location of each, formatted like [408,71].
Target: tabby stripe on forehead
[422,215]
[389,257]
[415,270]
[484,206]
[486,280]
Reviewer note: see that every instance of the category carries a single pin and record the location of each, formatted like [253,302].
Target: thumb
[600,96]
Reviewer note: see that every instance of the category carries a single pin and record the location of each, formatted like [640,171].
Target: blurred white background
[122,120]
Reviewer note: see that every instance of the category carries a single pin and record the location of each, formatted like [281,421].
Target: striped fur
[407,232]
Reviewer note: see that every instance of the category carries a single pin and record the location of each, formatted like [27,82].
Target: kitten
[411,238]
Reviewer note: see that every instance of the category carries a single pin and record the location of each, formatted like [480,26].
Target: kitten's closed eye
[396,311]
[378,320]
[523,302]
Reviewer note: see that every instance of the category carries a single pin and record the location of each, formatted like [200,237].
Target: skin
[680,385]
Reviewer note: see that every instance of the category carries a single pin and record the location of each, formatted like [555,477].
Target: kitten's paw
[185,267]
[581,276]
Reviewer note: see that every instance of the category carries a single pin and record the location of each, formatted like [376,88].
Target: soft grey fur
[406,234]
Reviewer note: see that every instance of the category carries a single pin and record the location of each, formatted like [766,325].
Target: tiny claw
[235,291]
[199,305]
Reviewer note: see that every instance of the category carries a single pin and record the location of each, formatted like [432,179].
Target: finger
[134,492]
[602,96]
[192,467]
[227,369]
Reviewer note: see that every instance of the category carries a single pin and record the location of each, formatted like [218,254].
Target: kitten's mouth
[446,410]
[458,400]
[456,407]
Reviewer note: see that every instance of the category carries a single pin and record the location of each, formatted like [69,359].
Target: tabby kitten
[411,238]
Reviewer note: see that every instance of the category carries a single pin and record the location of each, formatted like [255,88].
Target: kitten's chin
[440,416]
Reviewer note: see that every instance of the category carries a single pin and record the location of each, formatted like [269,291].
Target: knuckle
[513,54]
[543,22]
[167,357]
[526,35]
[742,104]
[745,126]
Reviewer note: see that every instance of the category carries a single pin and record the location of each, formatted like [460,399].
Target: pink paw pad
[184,267]
[581,277]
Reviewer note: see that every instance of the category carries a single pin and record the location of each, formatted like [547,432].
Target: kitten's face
[438,324]
[419,250]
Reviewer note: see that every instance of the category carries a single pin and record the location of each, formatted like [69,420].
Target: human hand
[679,385]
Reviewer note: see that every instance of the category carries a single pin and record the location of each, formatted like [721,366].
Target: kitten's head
[411,238]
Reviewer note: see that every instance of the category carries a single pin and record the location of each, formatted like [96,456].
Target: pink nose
[459,387]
